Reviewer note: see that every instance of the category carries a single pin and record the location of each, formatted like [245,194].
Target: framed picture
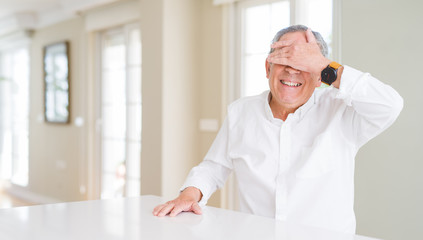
[56,83]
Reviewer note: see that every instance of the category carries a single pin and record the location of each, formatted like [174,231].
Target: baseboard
[29,196]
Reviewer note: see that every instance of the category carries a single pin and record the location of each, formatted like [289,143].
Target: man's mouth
[291,84]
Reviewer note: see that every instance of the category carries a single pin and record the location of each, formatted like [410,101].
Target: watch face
[328,75]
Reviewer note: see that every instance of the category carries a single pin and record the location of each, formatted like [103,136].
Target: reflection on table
[131,218]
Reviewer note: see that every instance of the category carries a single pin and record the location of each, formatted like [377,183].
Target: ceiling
[10,7]
[15,14]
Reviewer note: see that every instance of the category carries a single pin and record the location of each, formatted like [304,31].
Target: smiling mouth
[291,84]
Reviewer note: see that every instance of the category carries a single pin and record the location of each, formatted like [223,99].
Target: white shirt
[302,169]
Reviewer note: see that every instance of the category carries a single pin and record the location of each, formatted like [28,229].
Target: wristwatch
[329,74]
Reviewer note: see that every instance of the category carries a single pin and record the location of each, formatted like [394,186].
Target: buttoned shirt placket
[281,180]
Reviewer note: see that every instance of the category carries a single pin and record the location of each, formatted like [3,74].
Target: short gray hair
[301,28]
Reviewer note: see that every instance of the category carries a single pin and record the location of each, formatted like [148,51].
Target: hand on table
[186,202]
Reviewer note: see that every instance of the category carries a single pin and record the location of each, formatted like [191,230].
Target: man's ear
[268,69]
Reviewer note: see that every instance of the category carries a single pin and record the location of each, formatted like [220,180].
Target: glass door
[120,113]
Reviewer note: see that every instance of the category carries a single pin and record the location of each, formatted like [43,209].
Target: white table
[131,218]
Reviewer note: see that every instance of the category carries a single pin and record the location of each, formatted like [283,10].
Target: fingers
[163,210]
[279,56]
[281,44]
[310,36]
[277,60]
[174,209]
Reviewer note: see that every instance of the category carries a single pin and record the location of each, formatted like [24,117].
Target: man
[292,149]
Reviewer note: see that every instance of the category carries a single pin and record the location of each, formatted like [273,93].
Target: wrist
[330,74]
[337,82]
[323,64]
[191,193]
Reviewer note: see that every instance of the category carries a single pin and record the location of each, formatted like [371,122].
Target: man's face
[290,88]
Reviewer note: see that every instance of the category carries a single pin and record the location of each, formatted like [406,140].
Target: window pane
[114,121]
[260,24]
[134,122]
[133,188]
[256,29]
[134,85]
[114,52]
[113,155]
[255,75]
[14,116]
[113,86]
[133,160]
[280,17]
[135,47]
[112,186]
[121,112]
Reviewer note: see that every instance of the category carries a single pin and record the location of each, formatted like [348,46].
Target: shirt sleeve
[213,171]
[374,105]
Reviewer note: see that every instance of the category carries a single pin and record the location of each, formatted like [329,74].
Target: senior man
[292,148]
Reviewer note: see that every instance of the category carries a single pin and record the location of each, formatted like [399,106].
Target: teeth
[291,84]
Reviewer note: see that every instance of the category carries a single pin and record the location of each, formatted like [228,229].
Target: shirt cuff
[350,80]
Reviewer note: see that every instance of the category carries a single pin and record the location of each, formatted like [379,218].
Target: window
[259,21]
[120,111]
[14,114]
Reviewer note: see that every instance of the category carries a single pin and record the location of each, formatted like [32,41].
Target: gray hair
[301,28]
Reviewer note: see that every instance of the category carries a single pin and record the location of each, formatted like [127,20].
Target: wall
[181,84]
[210,78]
[152,74]
[56,151]
[383,37]
[181,78]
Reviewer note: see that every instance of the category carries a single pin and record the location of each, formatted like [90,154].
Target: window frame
[125,30]
[10,52]
[238,63]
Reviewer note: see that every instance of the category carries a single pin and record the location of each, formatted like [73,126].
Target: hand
[303,56]
[186,202]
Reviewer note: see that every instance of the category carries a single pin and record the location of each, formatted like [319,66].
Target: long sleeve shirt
[301,169]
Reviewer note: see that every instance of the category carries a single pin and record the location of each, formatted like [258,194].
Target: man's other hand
[186,202]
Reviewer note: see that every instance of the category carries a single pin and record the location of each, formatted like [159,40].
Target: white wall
[56,151]
[181,78]
[181,84]
[383,37]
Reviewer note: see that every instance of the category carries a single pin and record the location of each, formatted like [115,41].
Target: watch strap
[334,65]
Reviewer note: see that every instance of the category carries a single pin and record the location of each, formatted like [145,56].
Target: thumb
[310,36]
[196,208]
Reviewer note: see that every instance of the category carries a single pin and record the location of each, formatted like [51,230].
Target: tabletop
[132,218]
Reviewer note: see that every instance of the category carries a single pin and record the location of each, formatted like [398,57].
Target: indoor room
[117,99]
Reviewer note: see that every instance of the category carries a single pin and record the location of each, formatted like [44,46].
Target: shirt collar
[268,111]
[301,111]
[306,106]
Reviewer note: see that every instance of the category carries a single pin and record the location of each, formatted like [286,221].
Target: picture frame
[56,69]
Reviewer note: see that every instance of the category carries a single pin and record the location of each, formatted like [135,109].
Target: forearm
[374,105]
[207,177]
[337,82]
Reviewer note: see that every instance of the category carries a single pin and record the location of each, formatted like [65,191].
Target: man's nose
[291,70]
